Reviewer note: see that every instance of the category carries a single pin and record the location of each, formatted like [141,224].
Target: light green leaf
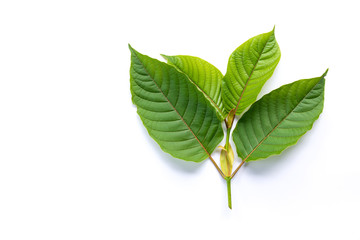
[175,113]
[279,119]
[204,75]
[249,67]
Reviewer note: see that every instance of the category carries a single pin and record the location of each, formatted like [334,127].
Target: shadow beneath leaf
[273,163]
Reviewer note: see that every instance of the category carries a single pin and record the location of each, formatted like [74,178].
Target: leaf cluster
[183,103]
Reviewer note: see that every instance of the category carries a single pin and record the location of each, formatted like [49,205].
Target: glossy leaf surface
[175,113]
[249,67]
[204,75]
[279,119]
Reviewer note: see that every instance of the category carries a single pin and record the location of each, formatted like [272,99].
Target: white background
[76,162]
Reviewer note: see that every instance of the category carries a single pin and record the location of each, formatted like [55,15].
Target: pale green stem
[228,179]
[228,183]
[227,138]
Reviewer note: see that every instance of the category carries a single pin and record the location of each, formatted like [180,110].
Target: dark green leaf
[279,119]
[175,113]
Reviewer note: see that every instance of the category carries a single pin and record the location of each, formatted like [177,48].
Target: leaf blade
[170,119]
[204,75]
[249,67]
[279,119]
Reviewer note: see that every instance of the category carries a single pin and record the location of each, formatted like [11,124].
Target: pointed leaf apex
[273,31]
[325,73]
[132,50]
[166,57]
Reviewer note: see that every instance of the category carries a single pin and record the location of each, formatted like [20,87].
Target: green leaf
[175,113]
[249,67]
[279,119]
[204,75]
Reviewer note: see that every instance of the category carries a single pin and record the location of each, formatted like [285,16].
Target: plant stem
[227,138]
[228,179]
[237,169]
[228,183]
[216,166]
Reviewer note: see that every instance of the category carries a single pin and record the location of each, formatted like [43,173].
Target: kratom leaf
[175,113]
[249,67]
[204,75]
[279,119]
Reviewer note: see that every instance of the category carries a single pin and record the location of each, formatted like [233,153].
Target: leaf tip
[166,57]
[132,50]
[272,32]
[325,73]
